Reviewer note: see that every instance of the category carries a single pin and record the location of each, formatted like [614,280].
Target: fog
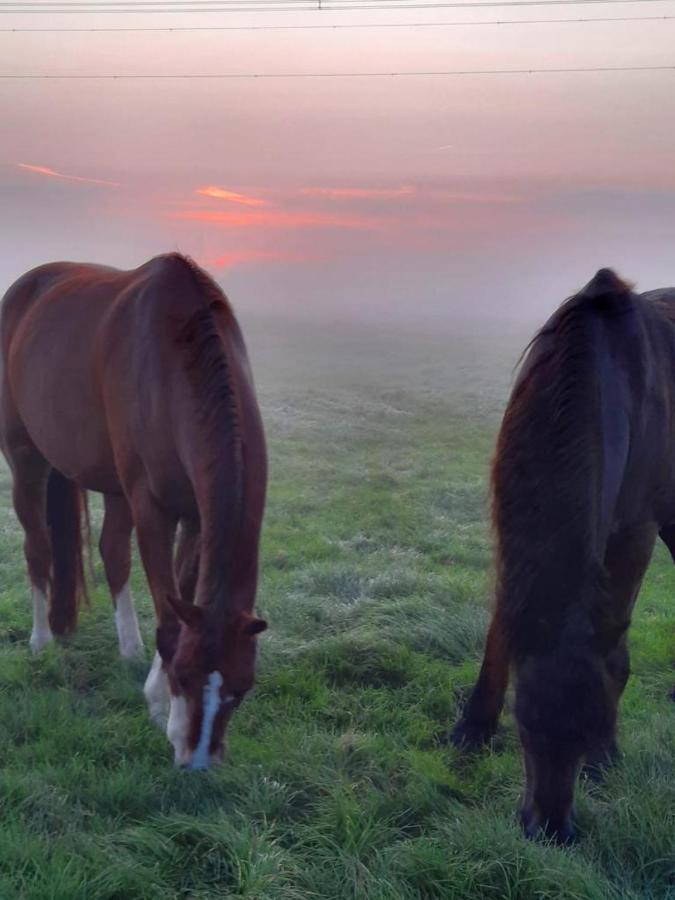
[439,202]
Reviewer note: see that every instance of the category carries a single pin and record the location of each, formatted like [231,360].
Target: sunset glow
[221,194]
[277,219]
[395,195]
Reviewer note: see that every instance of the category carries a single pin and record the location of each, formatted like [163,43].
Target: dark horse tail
[560,461]
[66,506]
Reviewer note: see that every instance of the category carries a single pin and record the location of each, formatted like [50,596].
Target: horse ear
[253,626]
[191,615]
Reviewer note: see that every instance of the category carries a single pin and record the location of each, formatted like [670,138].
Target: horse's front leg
[156,531]
[667,535]
[626,559]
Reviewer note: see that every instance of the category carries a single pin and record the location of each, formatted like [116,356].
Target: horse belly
[76,445]
[57,400]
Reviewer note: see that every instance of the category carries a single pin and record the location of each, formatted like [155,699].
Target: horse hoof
[39,640]
[132,651]
[468,737]
[563,834]
[599,762]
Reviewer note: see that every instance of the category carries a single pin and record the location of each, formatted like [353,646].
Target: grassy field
[376,583]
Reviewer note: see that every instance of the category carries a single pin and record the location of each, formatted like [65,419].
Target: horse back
[95,375]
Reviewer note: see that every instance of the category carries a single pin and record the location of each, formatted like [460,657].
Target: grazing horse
[583,482]
[137,385]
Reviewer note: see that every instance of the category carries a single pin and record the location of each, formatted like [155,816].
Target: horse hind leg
[481,713]
[31,472]
[115,549]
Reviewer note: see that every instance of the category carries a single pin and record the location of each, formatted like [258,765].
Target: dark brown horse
[137,385]
[583,482]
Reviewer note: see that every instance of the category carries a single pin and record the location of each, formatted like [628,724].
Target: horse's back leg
[31,473]
[115,549]
[481,713]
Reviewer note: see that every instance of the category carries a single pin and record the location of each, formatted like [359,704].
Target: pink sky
[425,196]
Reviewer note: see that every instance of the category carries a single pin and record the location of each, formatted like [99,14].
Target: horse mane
[210,375]
[547,470]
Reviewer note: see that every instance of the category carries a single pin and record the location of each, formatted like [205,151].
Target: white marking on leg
[156,690]
[200,757]
[42,633]
[128,633]
[177,729]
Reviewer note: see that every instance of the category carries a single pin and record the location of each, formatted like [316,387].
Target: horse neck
[216,454]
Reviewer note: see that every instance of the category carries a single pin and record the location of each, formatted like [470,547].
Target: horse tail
[560,462]
[65,507]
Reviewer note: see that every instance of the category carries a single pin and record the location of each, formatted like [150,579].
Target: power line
[300,5]
[240,76]
[152,7]
[340,27]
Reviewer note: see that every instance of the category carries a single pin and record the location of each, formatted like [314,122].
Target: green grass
[376,581]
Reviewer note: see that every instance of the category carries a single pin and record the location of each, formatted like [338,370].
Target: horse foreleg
[156,532]
[481,713]
[618,668]
[667,535]
[626,559]
[187,560]
[115,549]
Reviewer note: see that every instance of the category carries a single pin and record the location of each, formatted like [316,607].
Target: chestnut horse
[137,385]
[583,482]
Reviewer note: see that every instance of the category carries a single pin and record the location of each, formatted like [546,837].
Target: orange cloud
[276,219]
[44,170]
[222,194]
[359,193]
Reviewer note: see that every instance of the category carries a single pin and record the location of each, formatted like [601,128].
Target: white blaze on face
[42,633]
[129,636]
[200,757]
[156,692]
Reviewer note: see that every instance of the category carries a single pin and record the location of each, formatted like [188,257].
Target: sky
[431,198]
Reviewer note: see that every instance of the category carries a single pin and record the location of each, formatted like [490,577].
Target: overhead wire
[240,76]
[153,7]
[339,26]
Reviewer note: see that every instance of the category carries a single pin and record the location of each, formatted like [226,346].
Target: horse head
[210,666]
